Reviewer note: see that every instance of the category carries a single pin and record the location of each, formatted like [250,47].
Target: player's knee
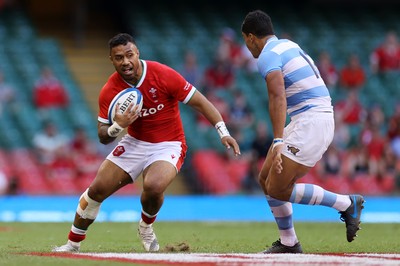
[97,193]
[262,180]
[87,207]
[154,188]
[278,193]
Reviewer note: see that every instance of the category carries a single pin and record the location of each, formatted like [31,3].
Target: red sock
[75,237]
[148,220]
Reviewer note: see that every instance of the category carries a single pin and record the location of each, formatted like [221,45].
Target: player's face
[251,45]
[125,59]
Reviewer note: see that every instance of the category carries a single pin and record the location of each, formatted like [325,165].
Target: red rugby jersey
[162,88]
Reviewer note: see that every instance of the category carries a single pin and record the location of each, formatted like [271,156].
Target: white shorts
[134,155]
[308,136]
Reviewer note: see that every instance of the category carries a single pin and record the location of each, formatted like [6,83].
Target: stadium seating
[22,56]
[6,165]
[338,184]
[165,39]
[219,175]
[31,179]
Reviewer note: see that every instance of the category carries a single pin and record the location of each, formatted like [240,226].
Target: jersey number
[313,67]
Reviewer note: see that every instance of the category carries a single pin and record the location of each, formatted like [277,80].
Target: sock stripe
[77,230]
[76,237]
[329,199]
[308,194]
[284,223]
[148,219]
[275,203]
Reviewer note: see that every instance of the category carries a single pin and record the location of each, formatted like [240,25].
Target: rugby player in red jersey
[154,145]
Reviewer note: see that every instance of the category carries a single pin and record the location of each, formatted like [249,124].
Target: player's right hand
[277,158]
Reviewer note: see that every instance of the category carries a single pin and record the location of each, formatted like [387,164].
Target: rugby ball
[125,98]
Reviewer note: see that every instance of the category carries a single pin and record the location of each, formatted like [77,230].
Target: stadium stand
[334,29]
[165,37]
[22,54]
[219,175]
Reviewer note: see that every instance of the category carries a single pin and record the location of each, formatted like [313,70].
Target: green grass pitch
[18,239]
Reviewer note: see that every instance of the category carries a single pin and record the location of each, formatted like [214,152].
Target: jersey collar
[144,71]
[271,39]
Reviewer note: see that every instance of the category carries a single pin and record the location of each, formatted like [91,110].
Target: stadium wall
[185,208]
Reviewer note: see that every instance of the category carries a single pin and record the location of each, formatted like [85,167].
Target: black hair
[258,23]
[120,39]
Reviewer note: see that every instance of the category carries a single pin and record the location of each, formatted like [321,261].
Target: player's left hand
[229,142]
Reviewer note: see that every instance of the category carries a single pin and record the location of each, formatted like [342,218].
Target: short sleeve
[267,62]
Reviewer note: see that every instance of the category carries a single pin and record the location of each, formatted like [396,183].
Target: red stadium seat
[366,185]
[211,170]
[388,183]
[309,178]
[237,170]
[6,164]
[31,178]
[65,186]
[337,184]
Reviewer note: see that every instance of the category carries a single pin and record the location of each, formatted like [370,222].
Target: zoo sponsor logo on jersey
[151,111]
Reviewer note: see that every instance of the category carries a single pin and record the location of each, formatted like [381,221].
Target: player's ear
[251,37]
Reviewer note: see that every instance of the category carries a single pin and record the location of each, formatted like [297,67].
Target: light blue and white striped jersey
[304,86]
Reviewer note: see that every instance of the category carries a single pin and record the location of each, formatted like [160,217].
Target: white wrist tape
[114,130]
[222,129]
[276,142]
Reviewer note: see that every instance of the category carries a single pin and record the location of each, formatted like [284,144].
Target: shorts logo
[172,156]
[293,150]
[118,151]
